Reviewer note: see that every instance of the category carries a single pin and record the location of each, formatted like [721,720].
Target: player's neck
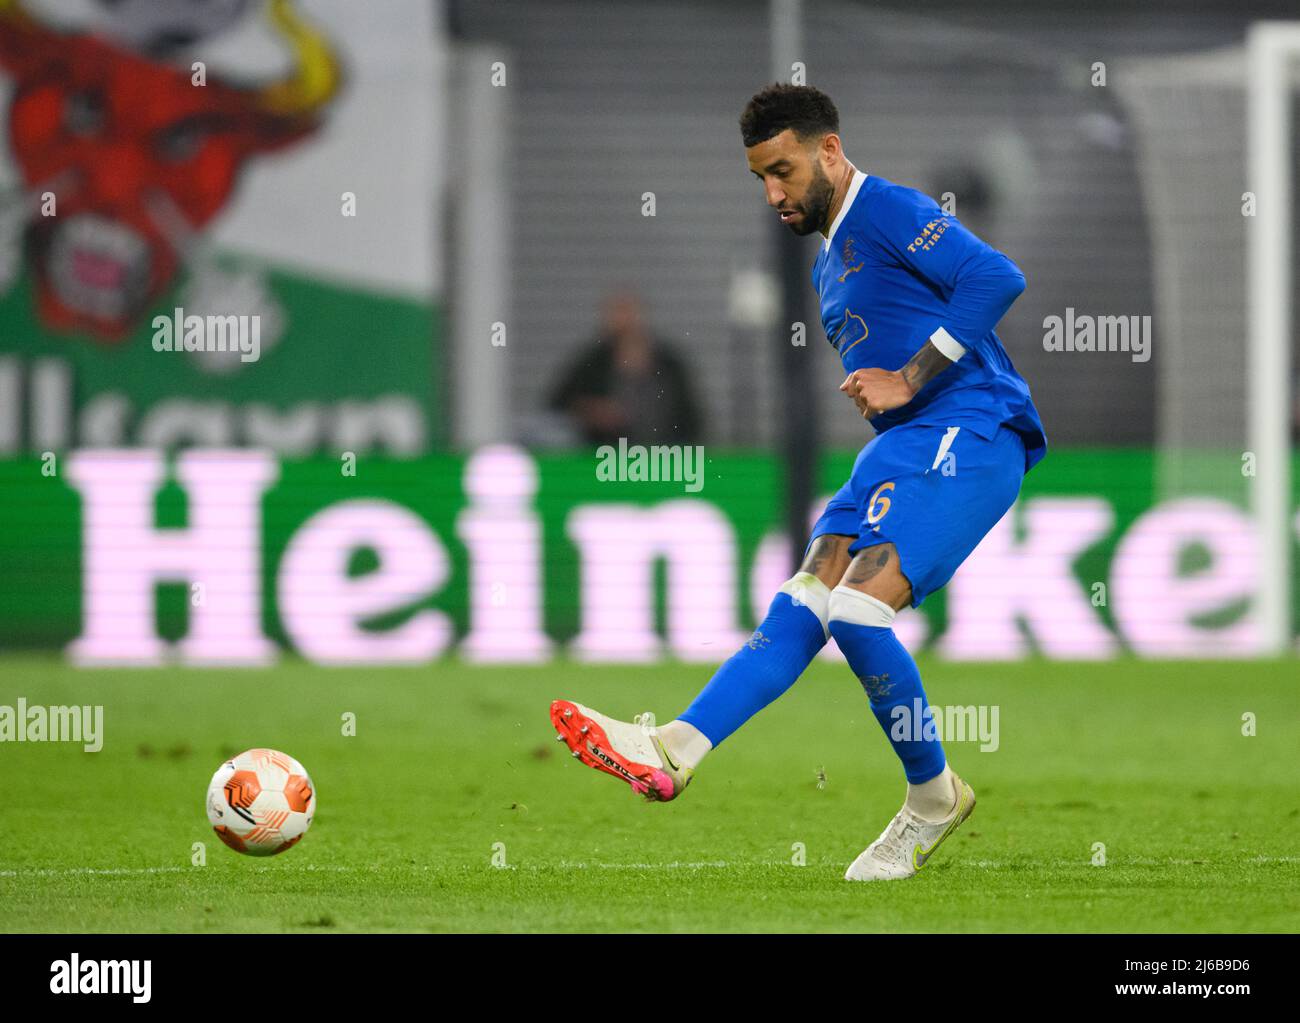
[838,195]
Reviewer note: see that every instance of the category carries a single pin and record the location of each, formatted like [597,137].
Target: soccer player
[909,300]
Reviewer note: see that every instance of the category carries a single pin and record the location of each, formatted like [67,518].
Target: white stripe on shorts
[944,445]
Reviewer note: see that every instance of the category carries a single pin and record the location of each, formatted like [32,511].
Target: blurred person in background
[628,383]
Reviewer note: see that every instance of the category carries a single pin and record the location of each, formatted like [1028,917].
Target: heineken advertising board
[237,557]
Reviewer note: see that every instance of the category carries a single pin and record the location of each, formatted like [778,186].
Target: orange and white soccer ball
[261,802]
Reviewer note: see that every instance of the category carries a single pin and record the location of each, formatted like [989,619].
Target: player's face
[794,182]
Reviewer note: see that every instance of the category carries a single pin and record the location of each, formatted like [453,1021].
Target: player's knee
[849,608]
[806,589]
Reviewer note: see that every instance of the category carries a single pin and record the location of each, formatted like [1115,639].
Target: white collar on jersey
[849,196]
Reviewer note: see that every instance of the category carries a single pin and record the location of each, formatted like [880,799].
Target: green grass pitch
[453,766]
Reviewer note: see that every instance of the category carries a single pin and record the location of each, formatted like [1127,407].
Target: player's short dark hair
[808,112]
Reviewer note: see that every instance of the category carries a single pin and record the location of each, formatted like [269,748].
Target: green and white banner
[218,225]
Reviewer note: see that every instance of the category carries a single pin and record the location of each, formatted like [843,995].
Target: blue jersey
[897,271]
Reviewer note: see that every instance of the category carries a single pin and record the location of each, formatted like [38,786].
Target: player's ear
[830,149]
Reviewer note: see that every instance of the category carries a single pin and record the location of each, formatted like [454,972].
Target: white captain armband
[949,347]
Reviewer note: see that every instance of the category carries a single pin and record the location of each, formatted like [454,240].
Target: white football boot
[630,750]
[907,844]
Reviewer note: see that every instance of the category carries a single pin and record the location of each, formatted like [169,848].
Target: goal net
[1216,141]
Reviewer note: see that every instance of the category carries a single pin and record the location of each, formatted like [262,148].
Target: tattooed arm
[879,390]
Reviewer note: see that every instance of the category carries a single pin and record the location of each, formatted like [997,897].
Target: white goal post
[1273,50]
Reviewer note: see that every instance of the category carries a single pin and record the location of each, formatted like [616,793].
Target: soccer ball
[261,802]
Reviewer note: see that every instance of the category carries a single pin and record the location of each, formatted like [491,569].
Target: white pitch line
[575,865]
[675,865]
[137,871]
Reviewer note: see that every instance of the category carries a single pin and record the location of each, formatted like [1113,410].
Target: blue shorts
[931,491]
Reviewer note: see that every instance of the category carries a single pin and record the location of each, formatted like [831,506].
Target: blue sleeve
[977,281]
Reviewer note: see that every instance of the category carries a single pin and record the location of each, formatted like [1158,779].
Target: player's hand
[877,390]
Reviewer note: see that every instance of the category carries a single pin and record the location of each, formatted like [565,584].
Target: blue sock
[765,667]
[890,678]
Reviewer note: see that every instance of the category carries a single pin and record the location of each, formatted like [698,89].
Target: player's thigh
[877,572]
[827,554]
[828,557]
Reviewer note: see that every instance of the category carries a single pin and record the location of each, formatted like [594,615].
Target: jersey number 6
[878,506]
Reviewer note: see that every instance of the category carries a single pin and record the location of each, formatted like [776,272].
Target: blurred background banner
[223,160]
